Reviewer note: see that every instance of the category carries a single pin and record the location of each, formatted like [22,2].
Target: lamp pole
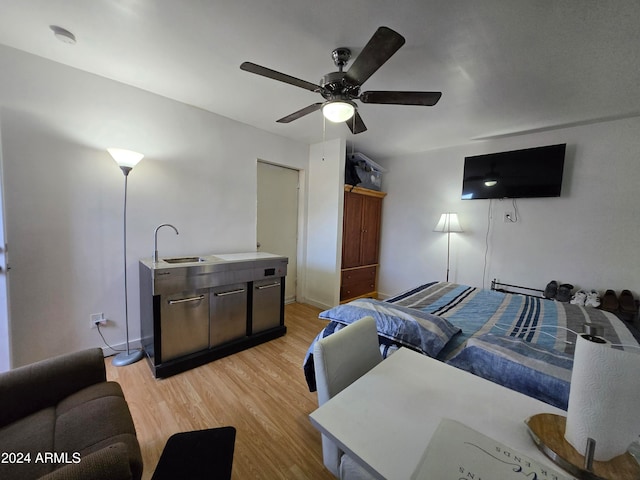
[448,245]
[126,161]
[448,223]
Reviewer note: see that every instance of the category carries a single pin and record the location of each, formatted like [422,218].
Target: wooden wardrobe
[360,243]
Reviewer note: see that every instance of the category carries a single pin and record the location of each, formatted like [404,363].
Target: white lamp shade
[125,158]
[448,223]
[338,111]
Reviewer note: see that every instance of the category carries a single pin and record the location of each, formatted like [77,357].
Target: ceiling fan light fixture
[491,182]
[338,110]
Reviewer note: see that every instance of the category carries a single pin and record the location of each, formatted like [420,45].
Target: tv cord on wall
[486,242]
[514,218]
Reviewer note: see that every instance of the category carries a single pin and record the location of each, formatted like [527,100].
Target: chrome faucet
[155,239]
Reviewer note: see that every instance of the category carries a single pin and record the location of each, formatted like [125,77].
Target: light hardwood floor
[261,391]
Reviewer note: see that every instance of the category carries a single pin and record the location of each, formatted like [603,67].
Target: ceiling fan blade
[384,43]
[300,113]
[281,77]
[401,98]
[355,124]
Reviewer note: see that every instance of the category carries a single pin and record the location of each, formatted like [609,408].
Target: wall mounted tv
[528,173]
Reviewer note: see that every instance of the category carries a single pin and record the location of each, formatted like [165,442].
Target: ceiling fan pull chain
[353,123]
[324,134]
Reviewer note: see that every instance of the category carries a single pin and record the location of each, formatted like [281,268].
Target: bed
[520,341]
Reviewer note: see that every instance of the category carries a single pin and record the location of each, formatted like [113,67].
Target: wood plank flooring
[261,391]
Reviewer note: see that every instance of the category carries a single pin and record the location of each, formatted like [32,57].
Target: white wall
[587,237]
[64,195]
[324,223]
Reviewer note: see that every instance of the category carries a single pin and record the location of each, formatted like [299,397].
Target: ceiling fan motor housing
[334,87]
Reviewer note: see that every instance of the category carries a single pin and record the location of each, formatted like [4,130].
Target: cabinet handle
[231,292]
[262,287]
[183,300]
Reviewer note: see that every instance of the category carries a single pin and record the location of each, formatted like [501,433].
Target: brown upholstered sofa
[61,419]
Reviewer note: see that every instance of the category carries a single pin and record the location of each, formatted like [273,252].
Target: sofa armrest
[27,389]
[109,463]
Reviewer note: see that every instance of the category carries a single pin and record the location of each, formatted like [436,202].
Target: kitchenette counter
[194,309]
[209,262]
[169,276]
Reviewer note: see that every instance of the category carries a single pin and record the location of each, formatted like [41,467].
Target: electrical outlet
[97,319]
[508,217]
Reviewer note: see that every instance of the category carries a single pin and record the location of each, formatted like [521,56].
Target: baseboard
[121,347]
[317,304]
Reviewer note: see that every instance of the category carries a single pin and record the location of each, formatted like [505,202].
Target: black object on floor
[199,455]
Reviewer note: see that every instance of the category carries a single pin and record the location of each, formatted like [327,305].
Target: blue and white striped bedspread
[538,321]
[521,342]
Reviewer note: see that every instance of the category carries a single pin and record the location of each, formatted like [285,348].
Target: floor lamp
[126,160]
[448,223]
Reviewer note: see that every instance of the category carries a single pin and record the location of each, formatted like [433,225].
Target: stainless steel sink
[184,259]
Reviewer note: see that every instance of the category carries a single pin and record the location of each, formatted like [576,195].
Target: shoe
[610,301]
[551,290]
[593,299]
[579,298]
[564,292]
[627,302]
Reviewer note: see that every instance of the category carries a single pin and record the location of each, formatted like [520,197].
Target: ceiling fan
[340,88]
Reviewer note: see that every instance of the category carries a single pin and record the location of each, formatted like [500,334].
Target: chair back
[339,360]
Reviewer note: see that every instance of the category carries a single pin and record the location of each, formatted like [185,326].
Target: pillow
[409,327]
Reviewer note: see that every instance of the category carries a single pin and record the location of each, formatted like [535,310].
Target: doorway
[277,218]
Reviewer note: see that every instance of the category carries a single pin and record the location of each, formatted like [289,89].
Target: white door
[277,228]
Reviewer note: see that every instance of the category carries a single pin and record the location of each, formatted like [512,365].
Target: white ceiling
[504,66]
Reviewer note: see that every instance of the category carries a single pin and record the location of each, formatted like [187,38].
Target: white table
[386,418]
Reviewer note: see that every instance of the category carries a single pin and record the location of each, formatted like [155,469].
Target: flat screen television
[528,173]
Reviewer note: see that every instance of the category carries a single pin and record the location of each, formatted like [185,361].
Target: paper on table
[457,451]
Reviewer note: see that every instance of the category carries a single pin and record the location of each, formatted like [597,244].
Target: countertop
[212,262]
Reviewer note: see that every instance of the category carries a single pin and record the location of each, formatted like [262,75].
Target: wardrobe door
[351,230]
[370,239]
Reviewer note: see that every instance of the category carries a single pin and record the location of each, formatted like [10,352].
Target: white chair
[339,360]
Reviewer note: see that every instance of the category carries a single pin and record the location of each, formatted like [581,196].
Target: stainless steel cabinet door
[266,304]
[228,313]
[184,319]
